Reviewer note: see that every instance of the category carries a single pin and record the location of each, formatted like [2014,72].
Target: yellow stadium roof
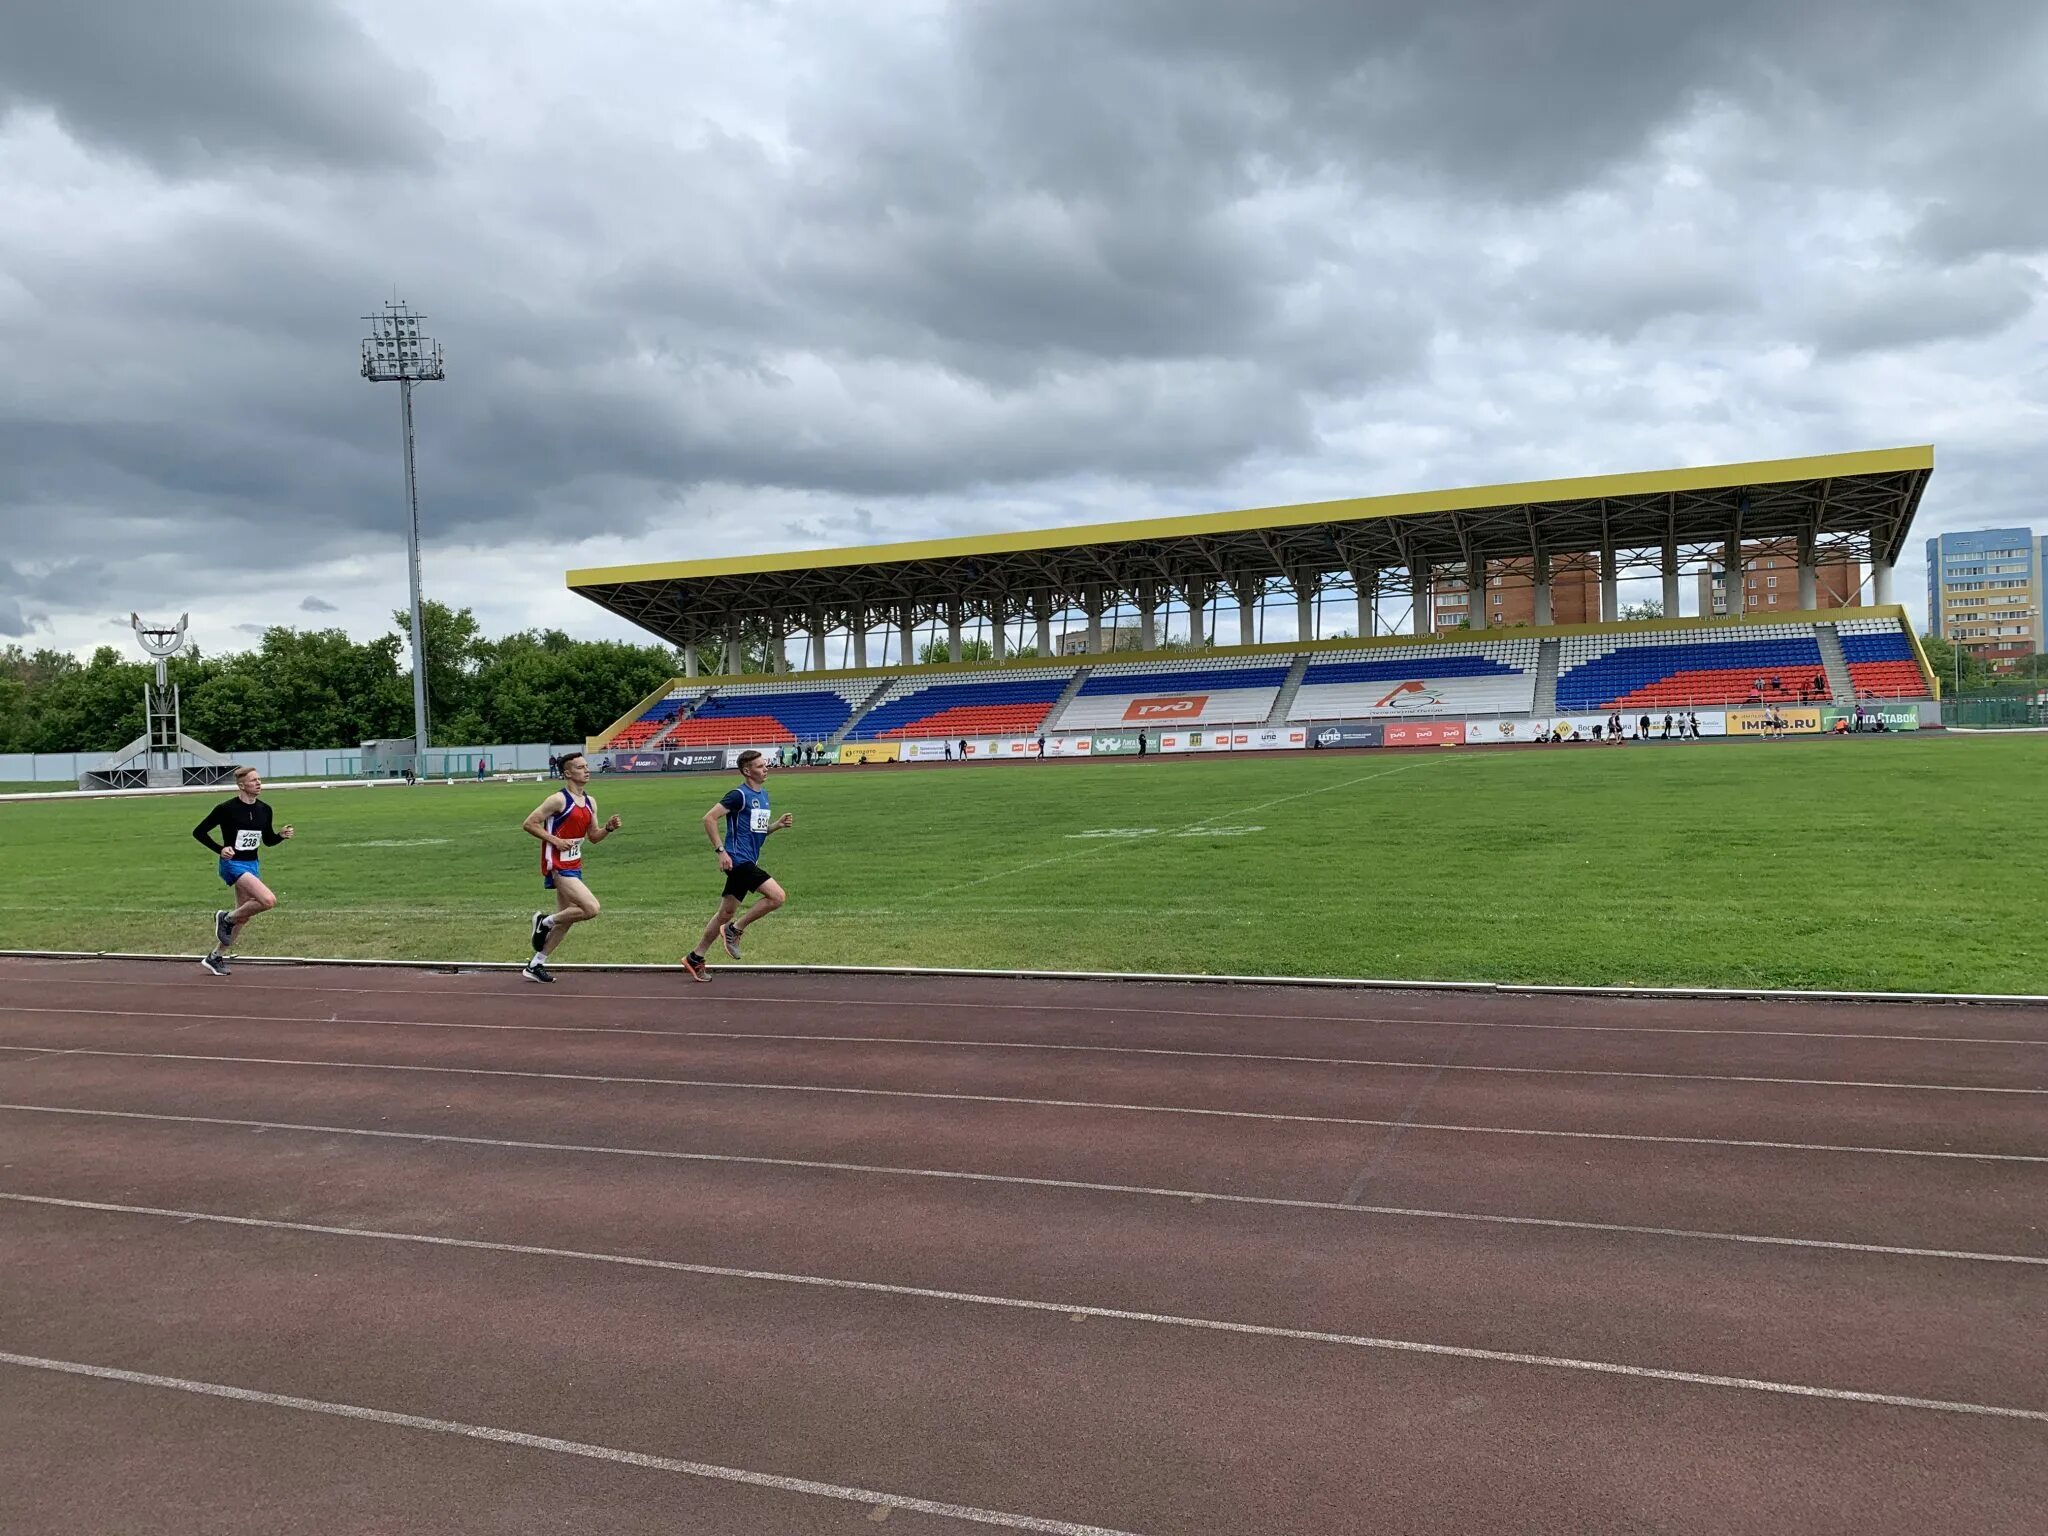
[1848,506]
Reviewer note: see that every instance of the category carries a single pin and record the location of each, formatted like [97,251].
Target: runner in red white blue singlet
[564,822]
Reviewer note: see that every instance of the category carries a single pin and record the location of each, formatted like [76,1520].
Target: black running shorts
[744,880]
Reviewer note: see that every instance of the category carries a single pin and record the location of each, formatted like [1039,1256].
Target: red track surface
[1319,1209]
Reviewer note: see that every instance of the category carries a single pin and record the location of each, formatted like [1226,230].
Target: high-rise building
[1770,584]
[1511,598]
[1984,592]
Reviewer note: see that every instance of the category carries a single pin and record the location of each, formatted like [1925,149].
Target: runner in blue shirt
[748,824]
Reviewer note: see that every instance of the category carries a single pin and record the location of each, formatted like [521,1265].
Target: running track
[345,1251]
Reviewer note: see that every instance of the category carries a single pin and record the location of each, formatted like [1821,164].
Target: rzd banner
[1754,722]
[1425,733]
[870,751]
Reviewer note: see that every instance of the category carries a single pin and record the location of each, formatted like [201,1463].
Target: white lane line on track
[527,995]
[996,1098]
[702,1469]
[1280,1202]
[1063,1309]
[1035,1045]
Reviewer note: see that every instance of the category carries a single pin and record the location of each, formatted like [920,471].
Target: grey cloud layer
[1044,259]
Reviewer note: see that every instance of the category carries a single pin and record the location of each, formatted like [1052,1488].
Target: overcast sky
[718,276]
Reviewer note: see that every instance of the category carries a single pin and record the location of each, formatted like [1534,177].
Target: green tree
[939,651]
[1649,608]
[1944,659]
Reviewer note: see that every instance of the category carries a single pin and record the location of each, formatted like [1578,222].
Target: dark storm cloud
[186,85]
[904,275]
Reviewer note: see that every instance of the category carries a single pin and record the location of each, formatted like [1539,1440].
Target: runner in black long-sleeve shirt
[244,825]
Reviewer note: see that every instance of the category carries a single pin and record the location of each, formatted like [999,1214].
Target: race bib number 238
[248,841]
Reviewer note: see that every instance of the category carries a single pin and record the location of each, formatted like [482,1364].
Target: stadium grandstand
[1332,606]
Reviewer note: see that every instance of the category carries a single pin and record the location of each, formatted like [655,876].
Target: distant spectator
[1643,729]
[1667,726]
[1597,728]
[1141,743]
[963,749]
[1041,744]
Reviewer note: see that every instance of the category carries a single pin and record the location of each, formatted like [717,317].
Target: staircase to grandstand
[1288,691]
[860,710]
[1835,664]
[1546,679]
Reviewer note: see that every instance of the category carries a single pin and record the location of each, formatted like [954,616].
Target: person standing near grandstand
[246,828]
[749,823]
[564,822]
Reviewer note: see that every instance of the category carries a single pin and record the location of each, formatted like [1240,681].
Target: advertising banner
[870,751]
[665,762]
[1896,717]
[1425,733]
[1112,743]
[1371,735]
[772,752]
[1167,709]
[1752,722]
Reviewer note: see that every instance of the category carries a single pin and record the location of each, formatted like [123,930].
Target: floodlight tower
[396,352]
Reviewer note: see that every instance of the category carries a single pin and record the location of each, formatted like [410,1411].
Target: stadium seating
[1446,678]
[1008,703]
[1162,693]
[773,713]
[656,720]
[1660,668]
[1881,658]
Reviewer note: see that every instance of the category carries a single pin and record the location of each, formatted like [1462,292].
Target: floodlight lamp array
[395,350]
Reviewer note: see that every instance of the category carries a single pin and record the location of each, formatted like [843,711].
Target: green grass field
[1893,864]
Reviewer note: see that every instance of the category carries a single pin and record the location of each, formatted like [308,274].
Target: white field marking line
[996,1098]
[1101,844]
[526,996]
[703,1469]
[1037,1045]
[1068,1309]
[1279,1202]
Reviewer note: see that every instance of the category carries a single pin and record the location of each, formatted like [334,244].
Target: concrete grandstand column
[906,628]
[1247,590]
[1475,595]
[819,660]
[1200,594]
[689,658]
[1148,616]
[953,631]
[1306,584]
[1091,605]
[1041,609]
[778,643]
[1366,583]
[860,640]
[732,645]
[999,626]
[1543,608]
[1732,575]
[1418,593]
[1881,581]
[1809,580]
[1610,585]
[1670,578]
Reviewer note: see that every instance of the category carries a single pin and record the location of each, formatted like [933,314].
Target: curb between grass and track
[1340,983]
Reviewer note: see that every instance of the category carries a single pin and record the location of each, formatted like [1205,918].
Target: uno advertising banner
[1425,733]
[1750,722]
[1896,717]
[870,751]
[1369,735]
